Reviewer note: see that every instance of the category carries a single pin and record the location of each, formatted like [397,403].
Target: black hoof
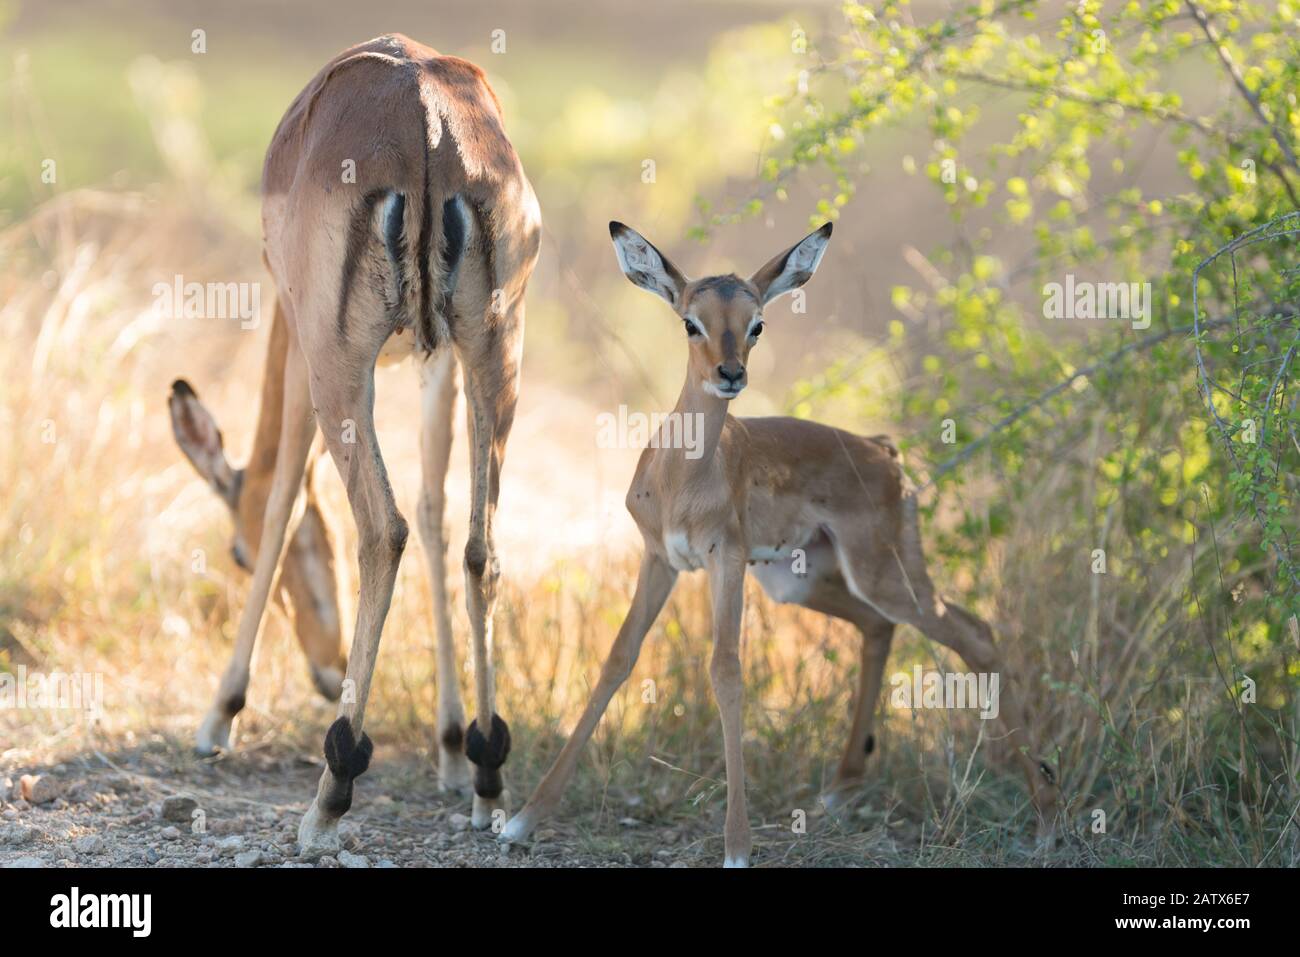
[487,754]
[348,759]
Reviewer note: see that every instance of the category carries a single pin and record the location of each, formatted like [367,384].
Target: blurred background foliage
[1099,454]
[970,153]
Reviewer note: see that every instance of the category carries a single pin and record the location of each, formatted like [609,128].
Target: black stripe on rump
[487,247]
[358,236]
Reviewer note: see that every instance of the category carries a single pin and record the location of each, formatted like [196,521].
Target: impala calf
[428,247]
[762,489]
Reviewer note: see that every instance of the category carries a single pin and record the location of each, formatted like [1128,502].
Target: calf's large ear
[792,268]
[646,266]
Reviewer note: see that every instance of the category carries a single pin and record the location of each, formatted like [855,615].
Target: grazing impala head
[722,315]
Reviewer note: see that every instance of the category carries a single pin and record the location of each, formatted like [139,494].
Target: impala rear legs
[438,390]
[343,389]
[877,635]
[491,388]
[901,590]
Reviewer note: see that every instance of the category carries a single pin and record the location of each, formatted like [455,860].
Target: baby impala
[822,514]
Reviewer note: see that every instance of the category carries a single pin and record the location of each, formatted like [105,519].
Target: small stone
[152,856]
[6,789]
[17,835]
[385,865]
[89,844]
[229,846]
[24,862]
[178,807]
[328,861]
[171,833]
[458,822]
[20,805]
[248,859]
[353,861]
[204,857]
[39,788]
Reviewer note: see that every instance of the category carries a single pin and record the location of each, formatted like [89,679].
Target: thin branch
[1017,414]
[1213,35]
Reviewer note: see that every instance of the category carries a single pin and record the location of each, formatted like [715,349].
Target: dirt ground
[129,809]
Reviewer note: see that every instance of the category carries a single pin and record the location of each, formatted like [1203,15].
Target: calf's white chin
[712,388]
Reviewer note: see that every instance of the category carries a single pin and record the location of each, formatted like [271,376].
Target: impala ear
[199,438]
[646,266]
[792,268]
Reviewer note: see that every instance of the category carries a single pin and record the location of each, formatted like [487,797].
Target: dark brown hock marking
[358,236]
[476,558]
[397,535]
[453,738]
[870,745]
[234,704]
[348,759]
[1046,771]
[487,755]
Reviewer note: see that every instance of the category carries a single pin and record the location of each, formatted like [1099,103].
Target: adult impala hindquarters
[823,515]
[396,219]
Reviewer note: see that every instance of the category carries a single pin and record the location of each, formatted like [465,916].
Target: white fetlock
[486,810]
[737,861]
[317,834]
[454,774]
[214,733]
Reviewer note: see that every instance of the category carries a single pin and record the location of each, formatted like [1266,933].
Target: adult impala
[823,515]
[396,219]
